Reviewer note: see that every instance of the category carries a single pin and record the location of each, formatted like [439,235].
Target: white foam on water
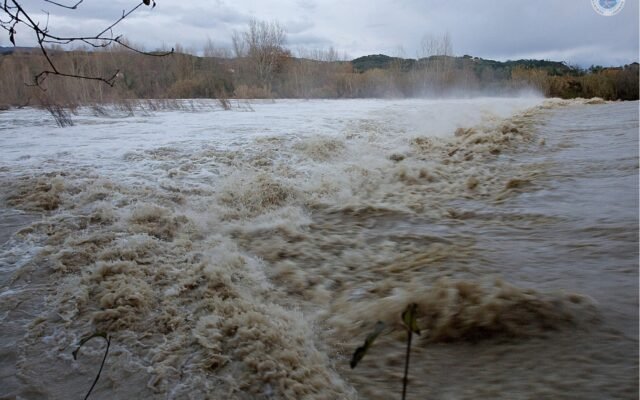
[240,254]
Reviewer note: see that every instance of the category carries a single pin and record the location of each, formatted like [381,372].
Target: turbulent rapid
[245,254]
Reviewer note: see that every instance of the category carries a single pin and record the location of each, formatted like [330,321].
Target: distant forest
[260,66]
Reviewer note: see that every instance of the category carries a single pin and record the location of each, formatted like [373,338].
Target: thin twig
[124,15]
[154,54]
[44,36]
[39,79]
[405,380]
[73,7]
[95,381]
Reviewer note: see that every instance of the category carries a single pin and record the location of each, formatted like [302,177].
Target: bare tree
[237,41]
[211,50]
[435,60]
[264,43]
[313,73]
[13,15]
[434,46]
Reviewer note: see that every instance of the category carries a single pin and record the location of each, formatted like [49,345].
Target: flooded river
[245,254]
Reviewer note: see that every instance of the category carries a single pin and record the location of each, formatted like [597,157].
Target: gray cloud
[214,17]
[298,26]
[567,30]
[309,5]
[309,41]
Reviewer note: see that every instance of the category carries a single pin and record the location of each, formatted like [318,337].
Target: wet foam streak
[246,254]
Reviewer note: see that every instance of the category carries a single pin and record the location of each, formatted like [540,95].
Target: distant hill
[382,61]
[374,76]
[10,50]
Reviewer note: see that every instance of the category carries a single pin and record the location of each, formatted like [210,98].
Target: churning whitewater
[245,254]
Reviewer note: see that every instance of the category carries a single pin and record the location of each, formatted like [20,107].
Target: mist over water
[246,254]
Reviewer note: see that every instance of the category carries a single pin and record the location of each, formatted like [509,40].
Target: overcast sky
[561,30]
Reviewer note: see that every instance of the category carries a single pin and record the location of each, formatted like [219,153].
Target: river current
[247,253]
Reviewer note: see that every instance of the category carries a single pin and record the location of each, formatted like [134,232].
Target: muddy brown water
[255,272]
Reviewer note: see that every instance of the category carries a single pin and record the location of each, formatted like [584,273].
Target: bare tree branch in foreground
[13,14]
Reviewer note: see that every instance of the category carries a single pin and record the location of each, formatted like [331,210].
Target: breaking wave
[251,272]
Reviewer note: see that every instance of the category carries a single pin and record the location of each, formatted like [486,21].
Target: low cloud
[568,31]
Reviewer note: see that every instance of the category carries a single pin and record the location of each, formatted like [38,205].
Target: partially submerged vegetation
[261,66]
[473,74]
[409,320]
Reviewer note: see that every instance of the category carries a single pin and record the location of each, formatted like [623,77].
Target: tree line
[259,65]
